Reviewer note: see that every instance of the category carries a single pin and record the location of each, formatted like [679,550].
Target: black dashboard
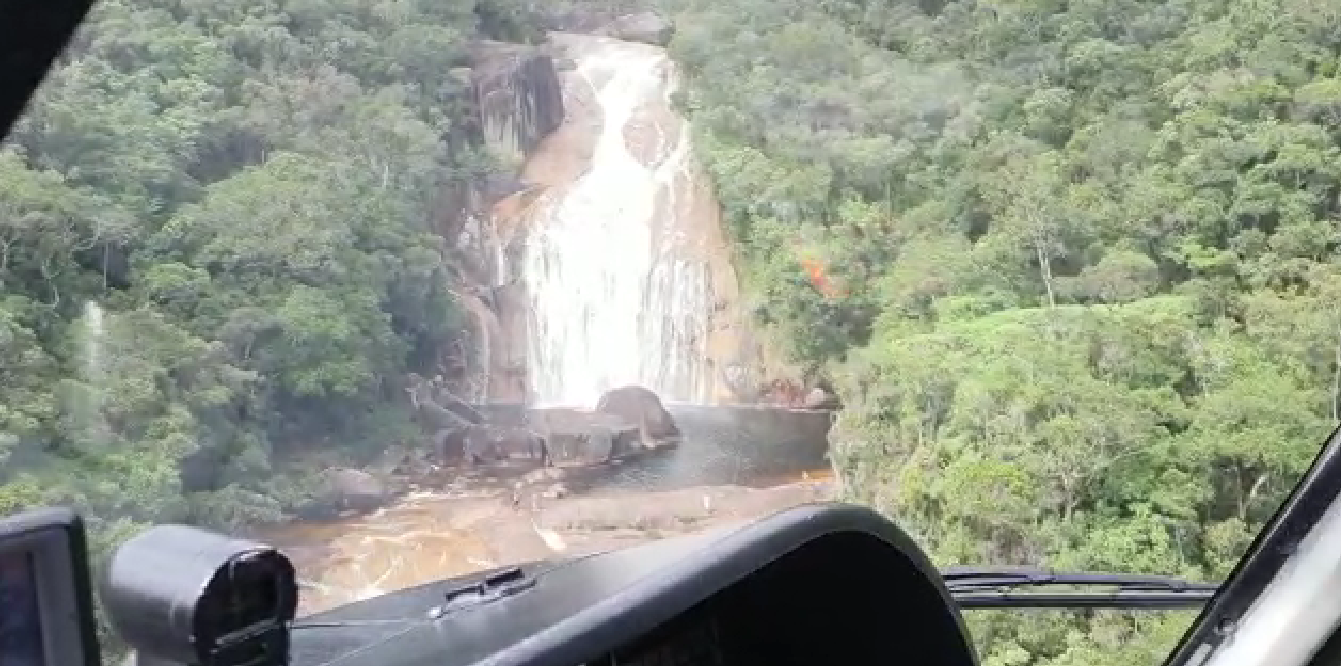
[818,584]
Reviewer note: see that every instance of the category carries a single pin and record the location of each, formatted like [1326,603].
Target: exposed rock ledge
[645,27]
[516,100]
[540,119]
[518,96]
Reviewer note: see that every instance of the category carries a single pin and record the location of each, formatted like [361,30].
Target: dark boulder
[819,398]
[354,490]
[518,96]
[577,437]
[642,407]
[492,443]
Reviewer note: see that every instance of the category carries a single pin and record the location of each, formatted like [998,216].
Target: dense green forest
[1091,303]
[218,249]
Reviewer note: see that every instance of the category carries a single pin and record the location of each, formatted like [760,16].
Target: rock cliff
[540,119]
[512,99]
[518,98]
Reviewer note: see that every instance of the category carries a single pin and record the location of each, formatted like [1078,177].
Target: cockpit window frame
[32,37]
[1319,489]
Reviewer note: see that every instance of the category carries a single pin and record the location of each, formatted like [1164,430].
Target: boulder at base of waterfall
[520,442]
[449,445]
[492,443]
[645,27]
[637,405]
[404,461]
[818,398]
[577,437]
[544,474]
[354,490]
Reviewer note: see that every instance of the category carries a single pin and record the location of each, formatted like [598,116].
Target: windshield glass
[1297,612]
[417,288]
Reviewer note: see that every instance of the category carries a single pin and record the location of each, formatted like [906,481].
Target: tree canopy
[219,249]
[1089,257]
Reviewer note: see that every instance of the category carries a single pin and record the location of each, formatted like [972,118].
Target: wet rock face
[353,490]
[577,437]
[492,443]
[515,100]
[640,406]
[645,27]
[518,96]
[818,398]
[626,422]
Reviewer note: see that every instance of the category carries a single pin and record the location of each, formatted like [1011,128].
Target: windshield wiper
[993,587]
[970,587]
[458,594]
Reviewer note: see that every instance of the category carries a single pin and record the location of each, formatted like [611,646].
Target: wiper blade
[1115,599]
[474,590]
[345,624]
[966,577]
[992,587]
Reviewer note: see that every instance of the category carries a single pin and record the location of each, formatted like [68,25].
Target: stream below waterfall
[735,464]
[430,535]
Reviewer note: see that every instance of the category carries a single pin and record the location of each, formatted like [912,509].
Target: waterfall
[619,292]
[93,339]
[94,372]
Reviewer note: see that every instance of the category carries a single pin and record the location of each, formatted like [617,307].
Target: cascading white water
[94,372]
[616,296]
[93,338]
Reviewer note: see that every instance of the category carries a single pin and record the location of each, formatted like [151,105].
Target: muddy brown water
[430,535]
[471,523]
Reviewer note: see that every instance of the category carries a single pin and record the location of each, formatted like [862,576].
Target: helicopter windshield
[413,289]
